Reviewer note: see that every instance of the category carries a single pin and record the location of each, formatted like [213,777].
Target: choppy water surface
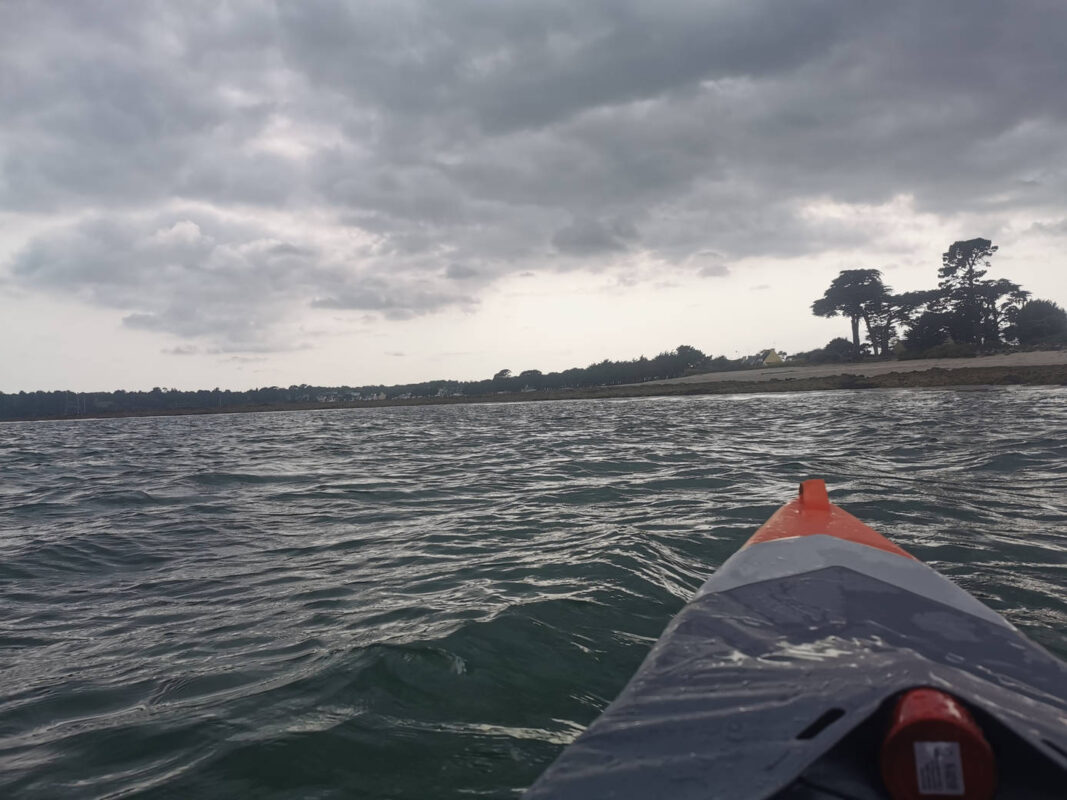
[430,602]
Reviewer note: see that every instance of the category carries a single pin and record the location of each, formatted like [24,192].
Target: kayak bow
[823,661]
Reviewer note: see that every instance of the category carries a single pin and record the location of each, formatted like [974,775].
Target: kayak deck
[776,679]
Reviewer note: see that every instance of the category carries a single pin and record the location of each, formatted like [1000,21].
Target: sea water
[430,602]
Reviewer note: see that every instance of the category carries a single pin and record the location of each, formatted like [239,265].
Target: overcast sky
[240,194]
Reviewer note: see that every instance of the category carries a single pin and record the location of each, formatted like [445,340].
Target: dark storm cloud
[469,140]
[511,67]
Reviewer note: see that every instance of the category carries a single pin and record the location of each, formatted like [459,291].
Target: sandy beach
[1044,358]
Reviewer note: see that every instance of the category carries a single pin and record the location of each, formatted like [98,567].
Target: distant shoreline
[850,377]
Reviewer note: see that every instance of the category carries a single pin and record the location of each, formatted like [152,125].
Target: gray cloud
[192,275]
[1051,228]
[461,272]
[714,271]
[395,300]
[587,237]
[199,275]
[460,142]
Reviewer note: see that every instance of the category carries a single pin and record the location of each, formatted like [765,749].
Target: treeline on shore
[675,363]
[966,314]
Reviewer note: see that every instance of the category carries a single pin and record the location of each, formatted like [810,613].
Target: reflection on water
[418,602]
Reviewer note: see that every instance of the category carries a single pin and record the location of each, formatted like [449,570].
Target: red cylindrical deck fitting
[934,748]
[813,495]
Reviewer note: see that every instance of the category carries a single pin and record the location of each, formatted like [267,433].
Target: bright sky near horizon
[240,194]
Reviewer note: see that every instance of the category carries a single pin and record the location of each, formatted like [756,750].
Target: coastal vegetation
[239,402]
[1041,321]
[672,364]
[966,314]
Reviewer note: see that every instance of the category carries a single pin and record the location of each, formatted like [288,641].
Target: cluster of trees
[966,308]
[671,364]
[837,351]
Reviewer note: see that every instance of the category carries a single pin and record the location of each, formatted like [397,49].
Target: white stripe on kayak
[782,558]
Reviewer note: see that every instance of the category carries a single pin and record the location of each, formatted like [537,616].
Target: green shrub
[1039,322]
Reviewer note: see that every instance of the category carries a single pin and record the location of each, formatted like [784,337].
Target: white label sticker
[938,768]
